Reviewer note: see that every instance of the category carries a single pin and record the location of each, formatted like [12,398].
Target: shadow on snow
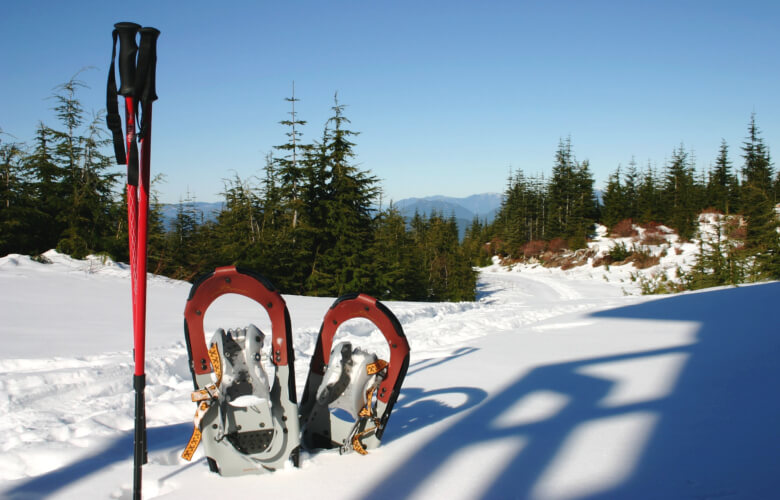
[716,434]
[159,438]
[415,409]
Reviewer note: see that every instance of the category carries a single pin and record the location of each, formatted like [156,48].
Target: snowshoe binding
[245,424]
[349,392]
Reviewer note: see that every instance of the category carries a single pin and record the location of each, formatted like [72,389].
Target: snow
[553,385]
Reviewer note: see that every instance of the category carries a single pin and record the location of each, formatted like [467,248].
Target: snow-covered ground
[553,385]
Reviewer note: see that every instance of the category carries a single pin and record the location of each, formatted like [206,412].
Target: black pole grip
[127,53]
[147,64]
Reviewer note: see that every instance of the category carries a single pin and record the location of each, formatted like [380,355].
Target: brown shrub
[623,229]
[534,248]
[736,229]
[652,226]
[557,245]
[653,237]
[643,260]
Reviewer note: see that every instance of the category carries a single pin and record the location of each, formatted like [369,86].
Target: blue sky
[447,95]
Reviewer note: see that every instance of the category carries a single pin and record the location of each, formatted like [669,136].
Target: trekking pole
[138,87]
[145,83]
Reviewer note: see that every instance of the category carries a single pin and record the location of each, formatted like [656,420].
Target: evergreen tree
[757,199]
[446,270]
[49,191]
[88,187]
[562,192]
[722,185]
[720,261]
[155,230]
[522,215]
[585,209]
[477,236]
[614,207]
[343,264]
[649,206]
[182,242]
[757,170]
[394,260]
[17,211]
[679,194]
[289,166]
[238,224]
[631,191]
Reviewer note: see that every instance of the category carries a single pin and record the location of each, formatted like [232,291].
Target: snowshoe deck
[348,379]
[242,425]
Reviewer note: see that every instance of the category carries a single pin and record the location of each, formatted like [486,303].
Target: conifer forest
[313,222]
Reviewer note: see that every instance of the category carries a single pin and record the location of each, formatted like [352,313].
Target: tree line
[309,223]
[559,212]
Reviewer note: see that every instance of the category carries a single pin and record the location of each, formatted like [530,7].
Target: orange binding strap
[204,398]
[367,411]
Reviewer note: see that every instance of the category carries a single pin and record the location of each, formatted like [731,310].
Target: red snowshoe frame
[285,440]
[321,428]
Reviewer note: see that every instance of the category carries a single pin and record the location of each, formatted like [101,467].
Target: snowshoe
[349,392]
[244,424]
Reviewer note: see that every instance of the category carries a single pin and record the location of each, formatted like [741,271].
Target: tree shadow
[159,438]
[719,431]
[716,433]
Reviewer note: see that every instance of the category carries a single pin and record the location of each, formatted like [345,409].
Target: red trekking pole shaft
[138,87]
[141,243]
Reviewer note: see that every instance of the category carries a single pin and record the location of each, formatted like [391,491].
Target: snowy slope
[552,386]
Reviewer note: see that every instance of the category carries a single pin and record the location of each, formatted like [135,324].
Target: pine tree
[477,236]
[182,246]
[289,166]
[562,192]
[680,195]
[17,205]
[342,265]
[393,258]
[757,199]
[631,191]
[719,261]
[757,170]
[50,189]
[445,267]
[649,206]
[238,223]
[87,186]
[722,185]
[614,207]
[585,208]
[155,231]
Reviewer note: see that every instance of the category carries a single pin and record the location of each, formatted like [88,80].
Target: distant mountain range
[205,210]
[485,206]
